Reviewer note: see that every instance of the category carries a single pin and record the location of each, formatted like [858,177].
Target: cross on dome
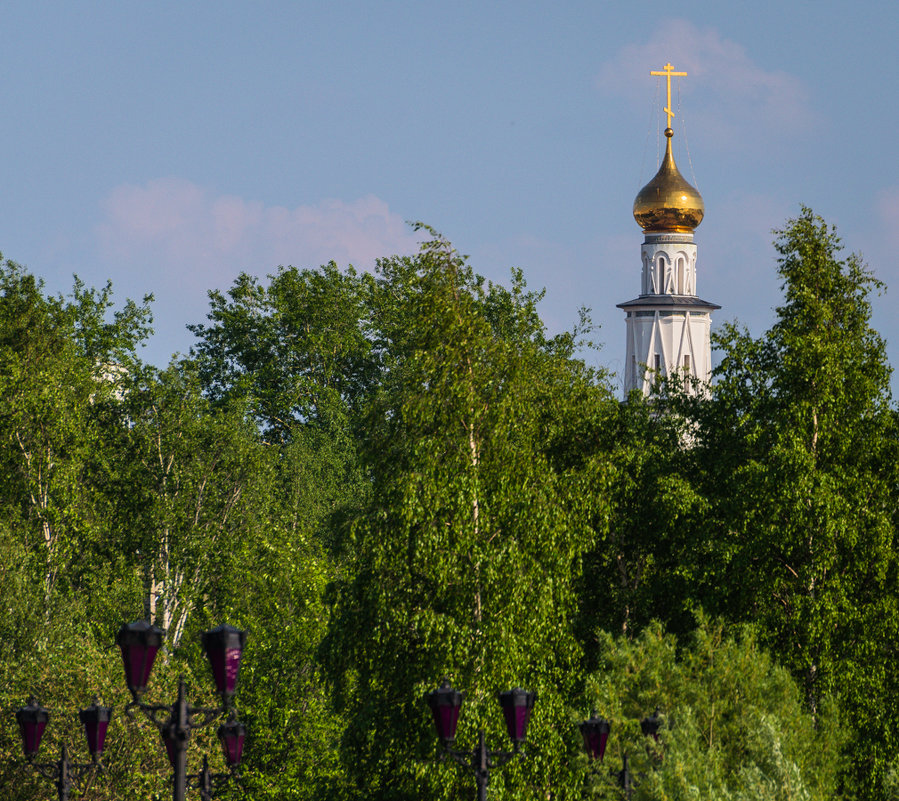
[668,71]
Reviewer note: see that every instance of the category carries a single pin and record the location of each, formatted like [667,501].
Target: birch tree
[464,561]
[796,453]
[56,357]
[186,490]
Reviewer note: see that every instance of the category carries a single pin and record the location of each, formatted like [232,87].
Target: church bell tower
[668,325]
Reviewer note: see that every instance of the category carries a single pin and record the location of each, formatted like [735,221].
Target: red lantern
[32,720]
[445,703]
[139,642]
[95,720]
[596,734]
[232,735]
[224,647]
[517,705]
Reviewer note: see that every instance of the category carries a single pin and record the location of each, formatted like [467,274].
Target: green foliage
[391,477]
[54,357]
[274,588]
[298,348]
[61,573]
[192,480]
[463,561]
[795,453]
[734,723]
[296,354]
[637,573]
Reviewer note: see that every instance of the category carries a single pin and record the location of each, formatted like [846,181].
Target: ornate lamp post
[33,719]
[445,703]
[595,732]
[231,735]
[140,642]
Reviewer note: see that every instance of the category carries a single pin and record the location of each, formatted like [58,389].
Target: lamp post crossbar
[175,724]
[208,783]
[64,773]
[445,703]
[154,711]
[480,761]
[33,719]
[595,732]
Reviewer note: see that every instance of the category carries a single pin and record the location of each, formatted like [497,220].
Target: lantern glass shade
[170,742]
[232,735]
[224,647]
[95,720]
[139,641]
[595,732]
[517,705]
[445,703]
[32,720]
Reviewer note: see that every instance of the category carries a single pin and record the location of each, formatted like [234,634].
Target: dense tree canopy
[397,476]
[464,561]
[733,723]
[795,454]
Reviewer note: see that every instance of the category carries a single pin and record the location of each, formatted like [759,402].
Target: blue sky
[169,146]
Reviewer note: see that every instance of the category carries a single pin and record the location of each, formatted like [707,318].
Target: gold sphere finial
[668,203]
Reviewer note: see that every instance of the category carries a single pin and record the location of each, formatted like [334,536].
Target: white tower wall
[668,326]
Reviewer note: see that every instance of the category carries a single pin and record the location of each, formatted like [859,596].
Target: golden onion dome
[668,203]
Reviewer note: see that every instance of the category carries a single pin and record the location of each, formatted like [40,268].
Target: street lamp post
[595,732]
[445,703]
[33,719]
[139,643]
[231,735]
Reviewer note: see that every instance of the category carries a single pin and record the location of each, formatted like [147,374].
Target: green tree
[62,573]
[483,501]
[298,347]
[734,723]
[636,573]
[225,528]
[796,455]
[296,352]
[60,360]
[274,588]
[186,490]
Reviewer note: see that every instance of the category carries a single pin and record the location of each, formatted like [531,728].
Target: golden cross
[667,70]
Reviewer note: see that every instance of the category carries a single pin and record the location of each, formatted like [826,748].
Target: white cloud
[185,230]
[179,240]
[745,100]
